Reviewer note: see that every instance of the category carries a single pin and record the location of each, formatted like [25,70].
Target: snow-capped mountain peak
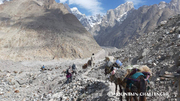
[87,21]
[118,14]
[128,3]
[112,16]
[75,10]
[162,5]
[77,13]
[96,19]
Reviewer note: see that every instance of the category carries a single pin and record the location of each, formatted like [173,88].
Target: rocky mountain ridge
[137,22]
[118,14]
[160,45]
[42,30]
[124,23]
[159,50]
[112,16]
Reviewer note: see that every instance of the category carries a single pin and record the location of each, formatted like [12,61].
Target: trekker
[74,68]
[69,74]
[92,60]
[43,67]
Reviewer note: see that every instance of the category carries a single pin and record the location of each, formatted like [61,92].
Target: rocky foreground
[29,83]
[24,81]
[160,50]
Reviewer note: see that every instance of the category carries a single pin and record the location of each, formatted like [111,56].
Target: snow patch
[122,17]
[93,20]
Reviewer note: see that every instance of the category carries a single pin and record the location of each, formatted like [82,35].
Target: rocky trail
[50,85]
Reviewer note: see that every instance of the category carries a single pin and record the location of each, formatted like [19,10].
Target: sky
[92,7]
[1,1]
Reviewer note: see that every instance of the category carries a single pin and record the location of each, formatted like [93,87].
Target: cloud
[63,1]
[93,6]
[136,2]
[2,1]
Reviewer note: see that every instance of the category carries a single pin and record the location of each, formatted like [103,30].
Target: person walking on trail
[92,60]
[43,67]
[74,68]
[69,74]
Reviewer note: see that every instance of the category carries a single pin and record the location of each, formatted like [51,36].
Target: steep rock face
[156,47]
[111,18]
[68,8]
[137,22]
[42,30]
[116,14]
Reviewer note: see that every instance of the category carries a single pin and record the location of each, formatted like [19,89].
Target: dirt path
[111,93]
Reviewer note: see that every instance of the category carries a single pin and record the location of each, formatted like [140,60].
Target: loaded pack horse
[118,81]
[137,81]
[134,81]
